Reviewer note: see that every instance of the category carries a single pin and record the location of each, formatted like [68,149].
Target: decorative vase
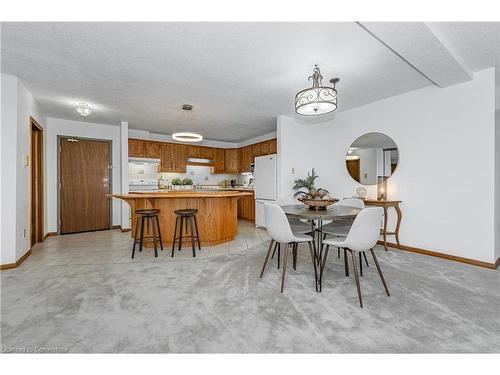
[318,204]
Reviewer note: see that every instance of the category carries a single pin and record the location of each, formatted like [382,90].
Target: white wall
[497,179]
[82,129]
[17,107]
[445,176]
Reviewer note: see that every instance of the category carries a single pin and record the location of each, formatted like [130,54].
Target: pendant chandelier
[187,136]
[318,99]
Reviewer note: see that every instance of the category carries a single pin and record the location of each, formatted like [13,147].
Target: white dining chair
[280,231]
[297,225]
[362,236]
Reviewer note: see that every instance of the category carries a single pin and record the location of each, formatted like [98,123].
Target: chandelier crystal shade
[318,99]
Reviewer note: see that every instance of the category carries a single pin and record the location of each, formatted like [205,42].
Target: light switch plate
[26,160]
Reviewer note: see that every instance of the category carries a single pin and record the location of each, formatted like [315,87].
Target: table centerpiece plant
[307,193]
[187,183]
[176,183]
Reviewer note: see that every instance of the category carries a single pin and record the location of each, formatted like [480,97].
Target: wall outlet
[24,233]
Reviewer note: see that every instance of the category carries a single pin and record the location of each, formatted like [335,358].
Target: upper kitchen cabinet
[256,150]
[219,160]
[265,148]
[231,160]
[152,149]
[193,151]
[180,158]
[246,159]
[273,146]
[167,159]
[207,153]
[136,148]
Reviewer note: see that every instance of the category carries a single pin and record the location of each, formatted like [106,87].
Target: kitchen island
[217,212]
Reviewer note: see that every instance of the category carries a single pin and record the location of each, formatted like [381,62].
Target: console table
[386,204]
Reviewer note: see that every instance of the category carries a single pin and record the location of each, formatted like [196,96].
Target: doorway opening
[36,183]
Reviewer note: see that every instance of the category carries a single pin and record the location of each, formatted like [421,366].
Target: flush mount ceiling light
[83,109]
[318,99]
[187,136]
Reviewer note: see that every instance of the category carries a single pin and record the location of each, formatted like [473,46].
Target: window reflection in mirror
[372,158]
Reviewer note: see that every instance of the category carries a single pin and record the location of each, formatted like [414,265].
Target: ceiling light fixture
[187,136]
[318,99]
[83,109]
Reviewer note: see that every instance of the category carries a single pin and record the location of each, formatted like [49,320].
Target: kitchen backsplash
[199,175]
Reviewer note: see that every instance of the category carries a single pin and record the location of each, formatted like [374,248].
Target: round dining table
[316,217]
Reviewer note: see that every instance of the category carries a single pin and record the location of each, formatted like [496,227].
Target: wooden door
[166,162]
[36,177]
[152,149]
[207,153]
[136,148]
[84,172]
[219,156]
[231,160]
[180,158]
[353,168]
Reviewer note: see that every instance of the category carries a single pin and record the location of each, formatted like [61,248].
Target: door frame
[110,175]
[41,235]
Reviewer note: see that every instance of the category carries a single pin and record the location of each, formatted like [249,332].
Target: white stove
[139,184]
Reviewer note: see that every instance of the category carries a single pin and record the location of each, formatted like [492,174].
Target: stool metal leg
[180,233]
[159,232]
[153,226]
[191,219]
[175,234]
[135,236]
[142,233]
[197,235]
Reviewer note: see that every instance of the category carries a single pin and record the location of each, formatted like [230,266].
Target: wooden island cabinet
[174,156]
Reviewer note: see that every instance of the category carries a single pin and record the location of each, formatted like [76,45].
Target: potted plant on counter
[176,183]
[316,199]
[187,183]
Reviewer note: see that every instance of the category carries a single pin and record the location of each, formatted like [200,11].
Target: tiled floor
[105,247]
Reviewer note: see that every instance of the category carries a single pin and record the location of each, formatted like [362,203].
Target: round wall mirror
[372,158]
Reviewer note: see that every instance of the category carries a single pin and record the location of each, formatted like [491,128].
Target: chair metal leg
[366,260]
[279,254]
[135,236]
[356,276]
[267,257]
[323,265]
[346,263]
[190,220]
[153,227]
[175,234]
[360,265]
[159,232]
[274,250]
[380,271]
[338,252]
[283,271]
[295,246]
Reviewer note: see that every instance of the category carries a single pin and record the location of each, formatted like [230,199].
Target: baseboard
[436,254]
[50,234]
[16,264]
[116,227]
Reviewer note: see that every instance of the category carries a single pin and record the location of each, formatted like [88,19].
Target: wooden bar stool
[188,217]
[150,215]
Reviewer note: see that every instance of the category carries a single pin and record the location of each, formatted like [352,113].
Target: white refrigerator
[265,185]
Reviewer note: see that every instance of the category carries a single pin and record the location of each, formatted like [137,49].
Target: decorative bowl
[318,204]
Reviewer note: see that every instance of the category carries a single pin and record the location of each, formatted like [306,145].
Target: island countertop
[217,215]
[182,194]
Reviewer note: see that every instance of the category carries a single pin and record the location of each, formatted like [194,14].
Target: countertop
[184,194]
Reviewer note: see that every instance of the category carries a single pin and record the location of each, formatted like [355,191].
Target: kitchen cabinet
[167,161]
[180,158]
[256,150]
[136,148]
[152,149]
[246,207]
[273,146]
[264,148]
[206,153]
[219,160]
[231,160]
[246,159]
[193,151]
